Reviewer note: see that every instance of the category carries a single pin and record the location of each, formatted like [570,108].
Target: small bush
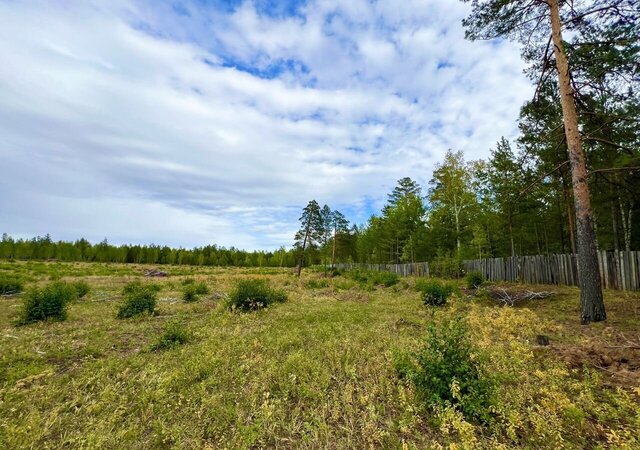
[81,287]
[192,291]
[135,286]
[474,279]
[446,267]
[373,278]
[138,299]
[174,335]
[187,281]
[434,292]
[201,288]
[49,302]
[10,285]
[447,371]
[317,284]
[249,295]
[386,279]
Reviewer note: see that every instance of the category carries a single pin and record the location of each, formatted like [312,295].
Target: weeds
[175,334]
[138,299]
[249,295]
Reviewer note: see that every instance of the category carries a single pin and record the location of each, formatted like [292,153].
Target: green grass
[314,372]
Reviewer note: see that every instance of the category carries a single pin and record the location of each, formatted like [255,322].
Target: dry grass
[314,372]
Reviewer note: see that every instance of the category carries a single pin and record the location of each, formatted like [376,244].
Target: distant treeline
[44,248]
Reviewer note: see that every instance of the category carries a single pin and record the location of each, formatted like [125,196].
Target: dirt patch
[352,295]
[620,360]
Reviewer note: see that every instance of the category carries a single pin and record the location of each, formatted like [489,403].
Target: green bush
[201,288]
[174,335]
[138,299]
[187,281]
[135,286]
[317,284]
[249,295]
[192,291]
[10,284]
[434,292]
[81,287]
[385,279]
[49,302]
[474,279]
[447,370]
[373,278]
[446,267]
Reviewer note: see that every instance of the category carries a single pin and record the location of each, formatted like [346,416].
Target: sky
[200,122]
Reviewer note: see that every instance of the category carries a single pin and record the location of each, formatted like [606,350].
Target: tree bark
[304,244]
[333,254]
[614,222]
[591,299]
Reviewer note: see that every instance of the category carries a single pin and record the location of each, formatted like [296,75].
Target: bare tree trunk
[333,255]
[626,224]
[591,299]
[304,244]
[614,221]
[513,245]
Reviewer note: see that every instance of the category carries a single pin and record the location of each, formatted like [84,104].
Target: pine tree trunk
[591,300]
[614,222]
[304,244]
[333,254]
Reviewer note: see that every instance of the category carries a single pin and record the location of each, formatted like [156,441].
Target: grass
[314,372]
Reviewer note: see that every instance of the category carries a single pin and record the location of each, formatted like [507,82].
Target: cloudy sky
[196,122]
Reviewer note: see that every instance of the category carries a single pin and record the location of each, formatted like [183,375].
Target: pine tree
[310,232]
[538,25]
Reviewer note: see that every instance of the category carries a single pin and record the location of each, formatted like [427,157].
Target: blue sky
[195,122]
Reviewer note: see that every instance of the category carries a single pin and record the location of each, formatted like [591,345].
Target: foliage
[10,284]
[175,334]
[253,294]
[373,277]
[191,291]
[138,299]
[434,292]
[446,267]
[82,288]
[474,279]
[447,371]
[48,302]
[315,283]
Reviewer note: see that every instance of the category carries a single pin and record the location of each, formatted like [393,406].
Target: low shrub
[82,288]
[187,281]
[175,334]
[48,302]
[201,288]
[249,295]
[447,371]
[316,284]
[474,279]
[446,267]
[192,291]
[385,279]
[434,292]
[138,299]
[374,278]
[135,286]
[10,284]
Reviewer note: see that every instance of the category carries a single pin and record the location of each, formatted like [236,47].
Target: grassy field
[314,372]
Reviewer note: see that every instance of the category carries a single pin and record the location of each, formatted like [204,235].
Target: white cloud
[119,120]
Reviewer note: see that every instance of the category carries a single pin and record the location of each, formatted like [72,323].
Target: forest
[518,201]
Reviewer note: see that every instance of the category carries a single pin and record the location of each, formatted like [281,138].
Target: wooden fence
[619,270]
